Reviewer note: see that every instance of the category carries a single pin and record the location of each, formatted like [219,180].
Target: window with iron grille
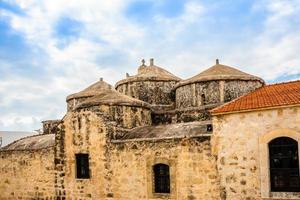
[161,178]
[284,165]
[82,166]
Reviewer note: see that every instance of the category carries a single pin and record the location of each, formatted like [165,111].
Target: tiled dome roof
[220,72]
[148,73]
[91,91]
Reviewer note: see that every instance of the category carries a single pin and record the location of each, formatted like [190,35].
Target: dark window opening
[284,165]
[82,166]
[161,178]
[203,101]
[209,128]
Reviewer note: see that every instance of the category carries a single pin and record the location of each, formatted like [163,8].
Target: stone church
[222,134]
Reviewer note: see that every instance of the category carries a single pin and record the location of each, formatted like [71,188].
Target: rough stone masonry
[149,118]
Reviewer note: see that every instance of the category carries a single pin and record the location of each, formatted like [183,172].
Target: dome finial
[101,79]
[217,61]
[151,61]
[143,62]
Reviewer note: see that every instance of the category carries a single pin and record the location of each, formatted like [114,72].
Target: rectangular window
[82,166]
[161,178]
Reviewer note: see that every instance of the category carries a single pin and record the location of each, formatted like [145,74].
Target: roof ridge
[282,83]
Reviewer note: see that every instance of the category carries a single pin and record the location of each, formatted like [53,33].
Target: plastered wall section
[240,142]
[193,172]
[27,174]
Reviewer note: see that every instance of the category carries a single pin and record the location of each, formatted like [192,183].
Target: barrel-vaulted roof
[266,97]
[219,72]
[34,142]
[112,97]
[92,90]
[149,73]
[179,130]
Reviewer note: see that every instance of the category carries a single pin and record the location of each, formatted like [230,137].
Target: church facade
[222,134]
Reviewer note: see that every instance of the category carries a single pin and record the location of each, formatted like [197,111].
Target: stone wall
[84,132]
[240,143]
[123,118]
[234,89]
[27,174]
[192,169]
[72,103]
[153,92]
[191,95]
[50,126]
[212,92]
[122,170]
[182,115]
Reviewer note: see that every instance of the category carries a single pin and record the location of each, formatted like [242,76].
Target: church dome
[91,91]
[220,72]
[149,73]
[112,97]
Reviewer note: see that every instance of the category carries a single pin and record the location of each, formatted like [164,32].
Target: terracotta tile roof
[275,95]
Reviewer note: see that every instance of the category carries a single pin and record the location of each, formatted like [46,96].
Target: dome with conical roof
[151,84]
[220,72]
[216,85]
[92,90]
[127,111]
[150,73]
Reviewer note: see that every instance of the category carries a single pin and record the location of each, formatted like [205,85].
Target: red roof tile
[275,95]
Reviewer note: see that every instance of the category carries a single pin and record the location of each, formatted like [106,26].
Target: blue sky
[49,49]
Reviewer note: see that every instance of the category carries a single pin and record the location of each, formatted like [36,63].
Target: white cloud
[181,44]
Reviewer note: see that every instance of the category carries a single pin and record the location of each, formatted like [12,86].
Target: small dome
[34,142]
[91,91]
[220,72]
[112,97]
[149,73]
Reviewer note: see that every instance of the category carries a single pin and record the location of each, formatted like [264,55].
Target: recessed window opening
[203,101]
[82,166]
[284,165]
[161,178]
[209,128]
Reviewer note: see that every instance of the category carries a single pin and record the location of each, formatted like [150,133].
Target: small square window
[82,166]
[209,128]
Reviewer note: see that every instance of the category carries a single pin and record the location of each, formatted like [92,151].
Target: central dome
[149,73]
[151,84]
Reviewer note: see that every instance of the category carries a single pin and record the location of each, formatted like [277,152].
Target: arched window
[161,178]
[284,165]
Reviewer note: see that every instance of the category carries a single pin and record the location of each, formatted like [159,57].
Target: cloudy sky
[51,48]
